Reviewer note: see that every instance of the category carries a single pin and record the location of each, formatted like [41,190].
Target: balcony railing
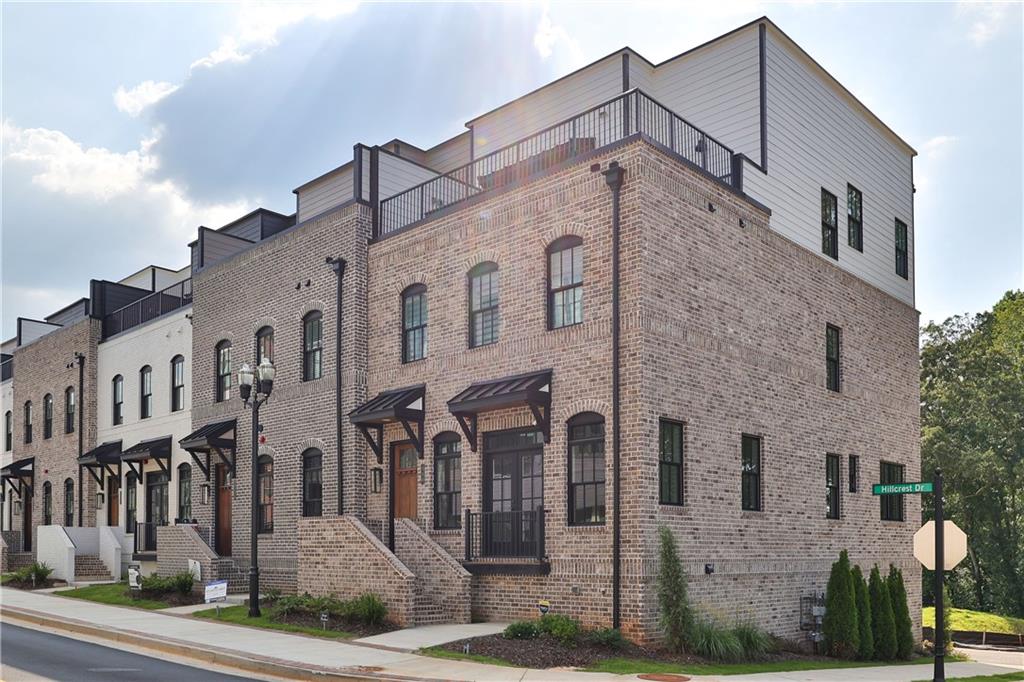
[148,308]
[505,534]
[145,536]
[628,114]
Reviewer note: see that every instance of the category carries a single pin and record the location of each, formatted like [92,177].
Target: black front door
[513,492]
[156,506]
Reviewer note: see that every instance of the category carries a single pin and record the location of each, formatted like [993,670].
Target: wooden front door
[113,500]
[405,461]
[222,513]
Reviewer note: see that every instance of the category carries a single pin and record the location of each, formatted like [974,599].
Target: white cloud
[145,94]
[929,169]
[937,146]
[548,35]
[984,20]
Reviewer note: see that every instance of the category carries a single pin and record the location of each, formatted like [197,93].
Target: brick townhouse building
[629,299]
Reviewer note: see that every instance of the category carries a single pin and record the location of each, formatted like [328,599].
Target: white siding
[32,330]
[143,279]
[397,175]
[326,193]
[165,278]
[641,74]
[450,154]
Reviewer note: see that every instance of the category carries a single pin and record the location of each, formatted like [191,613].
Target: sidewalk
[275,653]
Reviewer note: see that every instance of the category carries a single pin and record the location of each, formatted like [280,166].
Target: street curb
[253,664]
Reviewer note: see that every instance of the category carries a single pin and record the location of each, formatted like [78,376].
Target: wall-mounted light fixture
[376,479]
[206,493]
[423,473]
[99,500]
[17,507]
[709,569]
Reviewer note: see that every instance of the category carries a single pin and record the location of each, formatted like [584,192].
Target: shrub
[901,613]
[675,614]
[607,637]
[947,620]
[40,571]
[840,623]
[756,643]
[883,625]
[156,584]
[522,629]
[866,647]
[366,608]
[562,628]
[183,582]
[710,641]
[271,594]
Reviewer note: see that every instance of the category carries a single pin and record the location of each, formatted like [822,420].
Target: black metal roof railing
[631,113]
[148,308]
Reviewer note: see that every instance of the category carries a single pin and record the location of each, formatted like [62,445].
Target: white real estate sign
[954,544]
[216,590]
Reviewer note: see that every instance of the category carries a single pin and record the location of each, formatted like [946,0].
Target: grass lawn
[633,666]
[986,678]
[978,621]
[239,615]
[114,593]
[438,652]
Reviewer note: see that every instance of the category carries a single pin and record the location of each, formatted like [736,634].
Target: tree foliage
[840,623]
[972,425]
[674,606]
[883,625]
[900,613]
[866,645]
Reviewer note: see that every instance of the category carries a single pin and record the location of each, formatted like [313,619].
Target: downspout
[80,358]
[338,265]
[614,176]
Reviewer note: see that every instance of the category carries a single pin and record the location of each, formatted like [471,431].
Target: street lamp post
[263,381]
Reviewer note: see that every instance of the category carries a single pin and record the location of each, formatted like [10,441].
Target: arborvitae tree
[947,620]
[840,623]
[674,607]
[901,613]
[866,648]
[883,625]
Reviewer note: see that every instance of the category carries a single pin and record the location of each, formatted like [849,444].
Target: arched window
[586,469]
[223,388]
[265,474]
[265,344]
[69,410]
[8,431]
[312,345]
[69,502]
[312,483]
[565,282]
[184,492]
[117,398]
[47,416]
[484,313]
[177,383]
[47,504]
[414,323]
[28,421]
[146,392]
[447,480]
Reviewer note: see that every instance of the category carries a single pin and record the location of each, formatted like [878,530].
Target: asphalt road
[30,655]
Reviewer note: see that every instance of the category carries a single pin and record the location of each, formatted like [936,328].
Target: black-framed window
[8,431]
[177,383]
[832,355]
[892,505]
[265,344]
[223,362]
[855,218]
[832,486]
[265,476]
[829,224]
[146,392]
[853,466]
[28,421]
[117,400]
[131,492]
[69,502]
[47,504]
[312,482]
[670,462]
[69,410]
[586,470]
[47,416]
[751,473]
[447,480]
[484,310]
[312,345]
[414,323]
[184,492]
[902,249]
[565,282]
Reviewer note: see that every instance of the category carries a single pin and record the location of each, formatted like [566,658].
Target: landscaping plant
[607,637]
[562,628]
[901,613]
[866,646]
[947,621]
[676,616]
[756,642]
[522,629]
[718,644]
[840,626]
[883,624]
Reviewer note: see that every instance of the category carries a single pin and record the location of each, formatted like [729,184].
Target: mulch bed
[27,584]
[312,620]
[171,598]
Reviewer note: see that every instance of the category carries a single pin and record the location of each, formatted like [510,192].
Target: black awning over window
[405,406]
[531,390]
[217,438]
[105,457]
[19,474]
[157,448]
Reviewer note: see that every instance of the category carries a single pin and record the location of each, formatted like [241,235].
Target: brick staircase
[427,611]
[89,568]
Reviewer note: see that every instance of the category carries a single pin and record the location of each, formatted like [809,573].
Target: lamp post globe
[245,377]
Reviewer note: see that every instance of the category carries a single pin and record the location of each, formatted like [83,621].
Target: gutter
[338,265]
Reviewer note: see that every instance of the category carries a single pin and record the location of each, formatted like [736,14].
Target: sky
[126,126]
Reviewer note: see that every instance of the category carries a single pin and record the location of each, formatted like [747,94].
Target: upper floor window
[414,323]
[69,502]
[447,480]
[223,388]
[265,344]
[829,224]
[146,392]
[892,505]
[69,410]
[265,481]
[902,267]
[832,351]
[312,345]
[832,486]
[484,314]
[854,217]
[852,466]
[8,431]
[47,416]
[670,462]
[565,282]
[751,473]
[312,482]
[177,383]
[117,399]
[184,492]
[28,421]
[586,470]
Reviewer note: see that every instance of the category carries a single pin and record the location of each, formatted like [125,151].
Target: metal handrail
[147,308]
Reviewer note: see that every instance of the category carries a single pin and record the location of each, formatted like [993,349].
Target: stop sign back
[954,542]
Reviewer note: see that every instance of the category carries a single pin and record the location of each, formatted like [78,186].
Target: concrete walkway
[272,653]
[411,639]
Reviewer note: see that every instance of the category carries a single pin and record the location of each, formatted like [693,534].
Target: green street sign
[901,488]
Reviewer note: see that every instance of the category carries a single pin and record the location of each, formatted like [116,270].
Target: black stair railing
[505,534]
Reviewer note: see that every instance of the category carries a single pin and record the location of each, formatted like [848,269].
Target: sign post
[939,673]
